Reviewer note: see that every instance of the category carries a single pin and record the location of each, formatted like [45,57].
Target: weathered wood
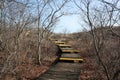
[62,71]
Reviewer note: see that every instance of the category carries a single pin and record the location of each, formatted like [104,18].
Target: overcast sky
[71,23]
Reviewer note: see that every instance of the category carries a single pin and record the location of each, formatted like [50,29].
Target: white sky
[71,23]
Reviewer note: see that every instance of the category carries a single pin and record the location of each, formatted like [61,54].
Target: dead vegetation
[109,54]
[25,64]
[25,27]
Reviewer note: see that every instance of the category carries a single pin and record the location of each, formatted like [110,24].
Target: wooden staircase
[64,69]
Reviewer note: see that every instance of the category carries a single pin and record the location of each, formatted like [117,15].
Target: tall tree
[99,18]
[48,13]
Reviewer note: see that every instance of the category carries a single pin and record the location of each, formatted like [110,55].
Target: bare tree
[21,18]
[16,19]
[113,12]
[99,18]
[48,13]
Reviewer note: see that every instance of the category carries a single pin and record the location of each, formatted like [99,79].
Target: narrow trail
[64,69]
